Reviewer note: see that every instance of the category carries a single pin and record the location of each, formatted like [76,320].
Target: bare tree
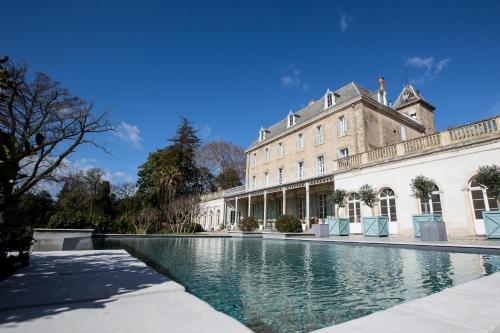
[124,190]
[219,156]
[41,123]
[183,212]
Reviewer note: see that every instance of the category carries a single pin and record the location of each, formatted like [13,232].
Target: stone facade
[387,146]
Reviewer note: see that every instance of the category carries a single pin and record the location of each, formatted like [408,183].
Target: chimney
[381,82]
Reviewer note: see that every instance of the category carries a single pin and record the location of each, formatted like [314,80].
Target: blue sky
[232,67]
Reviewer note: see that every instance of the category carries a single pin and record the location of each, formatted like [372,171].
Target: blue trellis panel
[417,218]
[338,226]
[492,224]
[376,226]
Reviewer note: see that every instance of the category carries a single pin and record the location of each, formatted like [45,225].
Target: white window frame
[301,170]
[266,178]
[280,149]
[322,210]
[266,154]
[341,152]
[329,99]
[404,135]
[487,207]
[301,207]
[254,182]
[318,134]
[280,176]
[254,159]
[387,200]
[262,134]
[342,125]
[353,199]
[431,202]
[291,119]
[300,141]
[320,165]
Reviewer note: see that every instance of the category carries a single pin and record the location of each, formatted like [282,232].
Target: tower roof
[409,95]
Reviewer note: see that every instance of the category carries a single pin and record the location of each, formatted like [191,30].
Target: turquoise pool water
[285,286]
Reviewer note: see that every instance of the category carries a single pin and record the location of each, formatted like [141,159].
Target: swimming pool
[292,286]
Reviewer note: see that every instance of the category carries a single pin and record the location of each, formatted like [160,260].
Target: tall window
[280,176]
[403,133]
[266,178]
[320,165]
[218,216]
[266,154]
[300,141]
[232,217]
[300,170]
[354,208]
[342,126]
[343,152]
[301,207]
[329,100]
[262,134]
[254,182]
[481,201]
[319,135]
[388,204]
[254,159]
[280,149]
[291,119]
[322,206]
[280,207]
[433,204]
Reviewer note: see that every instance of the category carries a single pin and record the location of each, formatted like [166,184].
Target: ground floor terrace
[457,196]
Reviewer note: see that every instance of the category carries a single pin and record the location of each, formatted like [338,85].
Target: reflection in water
[283,286]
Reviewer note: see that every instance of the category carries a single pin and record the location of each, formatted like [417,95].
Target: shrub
[367,195]
[193,227]
[248,224]
[67,219]
[489,178]
[288,223]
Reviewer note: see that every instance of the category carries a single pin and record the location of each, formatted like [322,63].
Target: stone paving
[469,307]
[102,291]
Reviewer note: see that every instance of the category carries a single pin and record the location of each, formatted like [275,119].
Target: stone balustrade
[478,130]
[235,190]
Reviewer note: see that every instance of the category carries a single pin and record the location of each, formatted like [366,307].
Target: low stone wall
[62,239]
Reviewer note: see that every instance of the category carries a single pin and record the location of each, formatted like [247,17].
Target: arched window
[433,205]
[354,208]
[211,218]
[218,216]
[388,204]
[480,200]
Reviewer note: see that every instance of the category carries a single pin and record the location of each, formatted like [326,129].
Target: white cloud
[205,132]
[129,133]
[428,67]
[291,78]
[344,21]
[123,176]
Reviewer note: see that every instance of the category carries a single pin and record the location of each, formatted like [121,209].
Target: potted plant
[338,226]
[372,225]
[489,178]
[319,229]
[422,188]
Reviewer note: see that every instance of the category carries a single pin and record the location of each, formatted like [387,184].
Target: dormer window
[291,119]
[329,99]
[262,134]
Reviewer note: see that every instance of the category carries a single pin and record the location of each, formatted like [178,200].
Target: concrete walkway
[470,307]
[102,291]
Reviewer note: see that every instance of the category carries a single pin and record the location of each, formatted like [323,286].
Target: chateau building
[353,136]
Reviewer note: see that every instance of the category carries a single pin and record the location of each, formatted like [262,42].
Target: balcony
[481,130]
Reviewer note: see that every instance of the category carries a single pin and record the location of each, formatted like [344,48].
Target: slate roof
[343,94]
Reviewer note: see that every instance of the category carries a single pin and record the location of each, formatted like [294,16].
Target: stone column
[264,219]
[224,207]
[249,205]
[236,213]
[307,205]
[284,201]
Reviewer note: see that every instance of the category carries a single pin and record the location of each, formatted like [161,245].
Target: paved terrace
[102,291]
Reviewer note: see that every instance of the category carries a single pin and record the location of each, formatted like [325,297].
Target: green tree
[228,178]
[489,178]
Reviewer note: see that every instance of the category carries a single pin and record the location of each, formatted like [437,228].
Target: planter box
[417,218]
[320,230]
[338,226]
[376,226]
[433,231]
[492,224]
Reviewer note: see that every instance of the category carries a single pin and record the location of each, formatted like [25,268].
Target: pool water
[292,286]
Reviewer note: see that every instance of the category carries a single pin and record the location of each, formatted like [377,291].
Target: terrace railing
[235,190]
[467,133]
